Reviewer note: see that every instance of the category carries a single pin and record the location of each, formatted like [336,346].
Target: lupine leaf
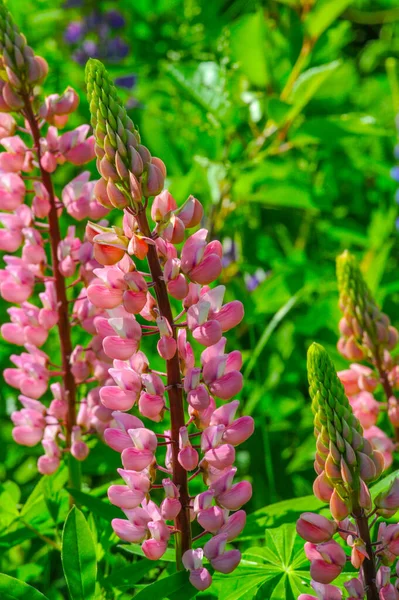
[323,14]
[167,587]
[13,589]
[96,506]
[78,556]
[278,570]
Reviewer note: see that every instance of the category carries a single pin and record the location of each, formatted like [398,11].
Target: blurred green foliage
[280,116]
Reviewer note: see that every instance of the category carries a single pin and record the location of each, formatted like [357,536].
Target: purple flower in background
[74,32]
[93,36]
[126,81]
[253,281]
[230,252]
[117,49]
[395,173]
[115,19]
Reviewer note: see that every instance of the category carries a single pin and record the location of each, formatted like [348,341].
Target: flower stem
[59,280]
[368,567]
[175,393]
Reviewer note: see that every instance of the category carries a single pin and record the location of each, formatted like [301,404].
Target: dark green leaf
[13,589]
[79,557]
[95,505]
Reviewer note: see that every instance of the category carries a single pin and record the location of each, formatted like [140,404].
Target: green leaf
[272,515]
[78,556]
[168,587]
[127,576]
[384,484]
[307,85]
[323,14]
[336,130]
[13,589]
[279,570]
[284,195]
[248,46]
[95,505]
[278,111]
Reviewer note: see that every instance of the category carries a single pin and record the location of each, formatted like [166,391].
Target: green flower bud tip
[106,108]
[364,328]
[337,428]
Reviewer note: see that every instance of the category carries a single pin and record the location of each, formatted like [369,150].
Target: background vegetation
[280,116]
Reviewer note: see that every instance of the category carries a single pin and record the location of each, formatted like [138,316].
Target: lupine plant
[351,451]
[200,436]
[367,335]
[345,465]
[47,288]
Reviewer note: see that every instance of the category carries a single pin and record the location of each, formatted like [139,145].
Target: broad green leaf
[334,130]
[278,570]
[278,111]
[272,515]
[383,484]
[13,589]
[14,538]
[323,14]
[95,505]
[168,588]
[307,85]
[284,195]
[248,45]
[78,557]
[205,87]
[131,574]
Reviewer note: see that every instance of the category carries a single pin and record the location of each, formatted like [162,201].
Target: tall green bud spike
[127,167]
[343,457]
[366,331]
[106,108]
[20,67]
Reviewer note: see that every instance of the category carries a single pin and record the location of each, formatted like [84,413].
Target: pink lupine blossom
[29,220]
[120,288]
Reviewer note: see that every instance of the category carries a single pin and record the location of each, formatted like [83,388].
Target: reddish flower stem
[175,393]
[59,280]
[368,567]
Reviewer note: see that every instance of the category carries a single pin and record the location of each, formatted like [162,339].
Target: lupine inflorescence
[35,280]
[201,438]
[345,465]
[367,335]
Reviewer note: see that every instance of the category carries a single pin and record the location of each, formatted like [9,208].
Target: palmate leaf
[287,511]
[278,570]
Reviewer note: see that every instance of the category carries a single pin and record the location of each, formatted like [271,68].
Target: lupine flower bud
[355,589]
[370,328]
[327,560]
[315,528]
[200,577]
[388,502]
[343,456]
[323,592]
